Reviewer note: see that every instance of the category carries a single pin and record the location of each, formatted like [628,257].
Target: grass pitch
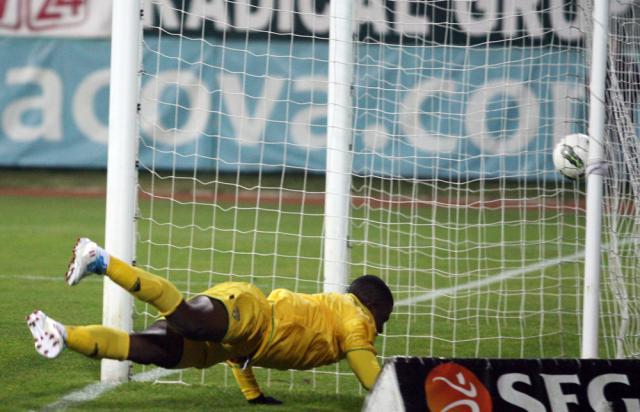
[37,241]
[537,314]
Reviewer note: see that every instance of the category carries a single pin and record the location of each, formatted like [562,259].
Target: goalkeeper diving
[232,322]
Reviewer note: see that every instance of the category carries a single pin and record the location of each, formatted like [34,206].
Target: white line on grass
[488,281]
[94,390]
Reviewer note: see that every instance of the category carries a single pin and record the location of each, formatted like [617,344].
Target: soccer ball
[570,155]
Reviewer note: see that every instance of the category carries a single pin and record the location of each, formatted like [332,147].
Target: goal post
[122,173]
[595,170]
[339,147]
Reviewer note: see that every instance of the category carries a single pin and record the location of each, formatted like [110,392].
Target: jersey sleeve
[365,366]
[358,335]
[246,381]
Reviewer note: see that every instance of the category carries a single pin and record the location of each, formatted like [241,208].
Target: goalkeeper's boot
[48,334]
[87,258]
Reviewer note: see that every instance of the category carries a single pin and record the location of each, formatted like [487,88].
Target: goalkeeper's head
[375,295]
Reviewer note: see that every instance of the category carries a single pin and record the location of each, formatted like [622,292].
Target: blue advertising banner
[262,106]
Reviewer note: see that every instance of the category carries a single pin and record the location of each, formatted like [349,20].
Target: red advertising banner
[55,18]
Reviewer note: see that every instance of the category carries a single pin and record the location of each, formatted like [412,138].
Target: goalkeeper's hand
[265,400]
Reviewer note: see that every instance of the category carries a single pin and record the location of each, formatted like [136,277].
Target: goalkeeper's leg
[157,345]
[201,318]
[88,258]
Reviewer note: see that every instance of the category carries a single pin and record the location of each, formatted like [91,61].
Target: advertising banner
[389,21]
[261,102]
[485,385]
[55,18]
[464,23]
[262,106]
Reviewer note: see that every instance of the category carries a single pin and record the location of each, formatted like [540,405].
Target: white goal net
[454,199]
[620,310]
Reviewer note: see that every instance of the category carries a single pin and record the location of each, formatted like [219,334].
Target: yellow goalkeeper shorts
[248,310]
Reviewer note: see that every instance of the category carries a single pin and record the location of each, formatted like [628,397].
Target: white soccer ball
[571,154]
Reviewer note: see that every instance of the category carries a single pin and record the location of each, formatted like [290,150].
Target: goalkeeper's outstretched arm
[365,366]
[249,386]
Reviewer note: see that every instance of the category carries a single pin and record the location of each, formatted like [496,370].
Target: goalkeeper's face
[381,315]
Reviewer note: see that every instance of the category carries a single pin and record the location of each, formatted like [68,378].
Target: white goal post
[122,173]
[339,143]
[597,112]
[301,144]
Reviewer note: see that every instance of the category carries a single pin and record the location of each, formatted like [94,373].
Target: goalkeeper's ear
[265,400]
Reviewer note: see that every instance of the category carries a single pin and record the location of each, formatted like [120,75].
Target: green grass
[529,315]
[36,246]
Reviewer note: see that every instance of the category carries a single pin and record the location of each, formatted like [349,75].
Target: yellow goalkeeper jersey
[314,330]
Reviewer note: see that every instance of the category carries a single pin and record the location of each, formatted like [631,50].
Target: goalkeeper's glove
[265,400]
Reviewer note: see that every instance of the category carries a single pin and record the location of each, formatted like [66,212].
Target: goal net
[621,212]
[454,201]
